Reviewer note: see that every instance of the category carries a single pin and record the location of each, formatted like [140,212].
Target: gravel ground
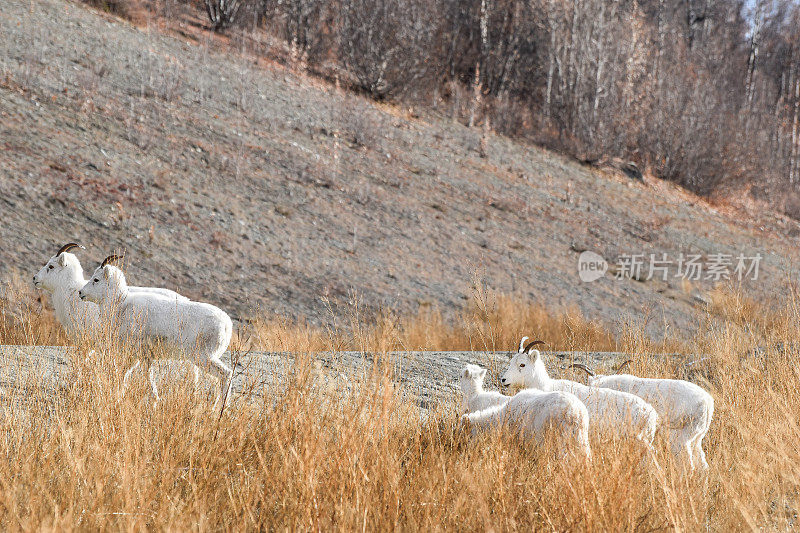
[430,378]
[245,184]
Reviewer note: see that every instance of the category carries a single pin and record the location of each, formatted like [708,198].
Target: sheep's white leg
[128,374]
[152,379]
[196,370]
[682,450]
[681,446]
[580,445]
[225,375]
[699,456]
[651,459]
[580,442]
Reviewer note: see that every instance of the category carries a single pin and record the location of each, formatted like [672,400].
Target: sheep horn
[531,345]
[69,246]
[582,367]
[110,259]
[623,365]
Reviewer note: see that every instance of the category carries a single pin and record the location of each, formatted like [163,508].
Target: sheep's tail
[704,413]
[225,333]
[215,342]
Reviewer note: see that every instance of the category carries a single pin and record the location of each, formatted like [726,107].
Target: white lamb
[685,410]
[534,413]
[199,330]
[62,276]
[611,412]
[473,397]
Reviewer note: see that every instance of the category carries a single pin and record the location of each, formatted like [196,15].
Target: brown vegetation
[313,457]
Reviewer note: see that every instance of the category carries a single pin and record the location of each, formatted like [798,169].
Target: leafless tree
[222,13]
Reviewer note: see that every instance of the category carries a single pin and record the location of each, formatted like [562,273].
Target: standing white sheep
[473,397]
[685,409]
[200,331]
[611,412]
[534,413]
[62,276]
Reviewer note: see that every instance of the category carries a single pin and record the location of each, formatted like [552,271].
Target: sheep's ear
[106,270]
[62,260]
[482,374]
[522,345]
[466,373]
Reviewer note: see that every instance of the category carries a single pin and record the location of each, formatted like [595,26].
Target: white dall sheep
[473,397]
[106,312]
[200,331]
[685,409]
[62,276]
[534,413]
[611,412]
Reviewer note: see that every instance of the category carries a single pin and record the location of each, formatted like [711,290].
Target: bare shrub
[306,25]
[118,7]
[387,45]
[360,125]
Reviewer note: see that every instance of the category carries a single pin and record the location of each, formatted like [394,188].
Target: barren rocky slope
[248,185]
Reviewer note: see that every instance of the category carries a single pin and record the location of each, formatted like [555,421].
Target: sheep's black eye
[96,280]
[50,267]
[522,365]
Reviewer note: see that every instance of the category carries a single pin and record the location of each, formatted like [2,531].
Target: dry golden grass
[313,458]
[490,321]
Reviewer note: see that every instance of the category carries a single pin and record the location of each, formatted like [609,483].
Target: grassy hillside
[261,189]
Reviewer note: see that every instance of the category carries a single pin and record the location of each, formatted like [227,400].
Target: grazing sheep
[533,413]
[612,413]
[474,398]
[199,330]
[684,408]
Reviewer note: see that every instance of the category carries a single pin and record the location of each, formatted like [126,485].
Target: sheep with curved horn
[612,413]
[582,367]
[69,246]
[62,276]
[624,364]
[525,347]
[685,409]
[200,331]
